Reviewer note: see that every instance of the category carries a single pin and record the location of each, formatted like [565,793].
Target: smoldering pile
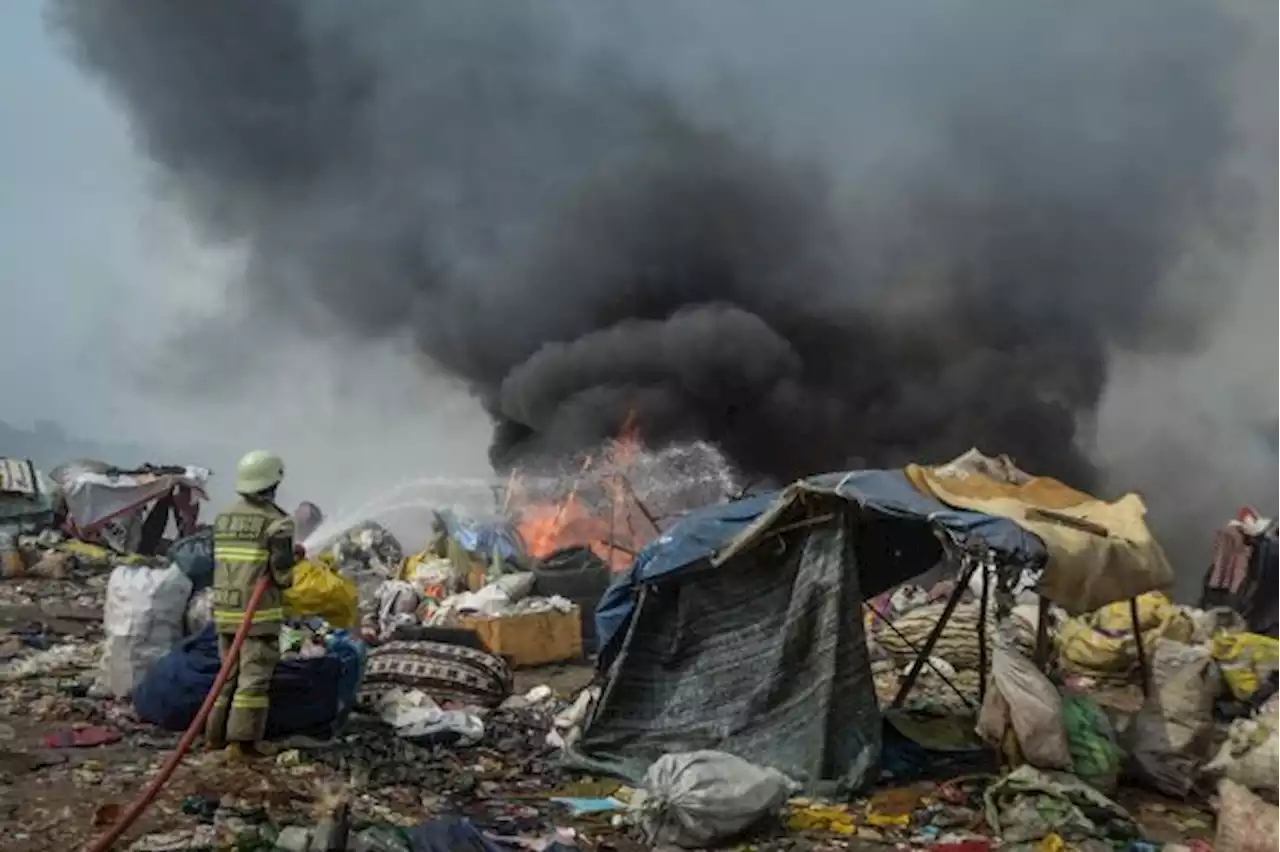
[582,242]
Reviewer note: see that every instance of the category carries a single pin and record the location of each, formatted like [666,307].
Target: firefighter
[251,536]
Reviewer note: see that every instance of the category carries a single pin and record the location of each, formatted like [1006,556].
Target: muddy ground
[59,798]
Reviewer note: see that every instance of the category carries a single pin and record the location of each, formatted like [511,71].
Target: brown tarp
[1098,552]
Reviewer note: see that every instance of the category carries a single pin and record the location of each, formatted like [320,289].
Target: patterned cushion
[443,671]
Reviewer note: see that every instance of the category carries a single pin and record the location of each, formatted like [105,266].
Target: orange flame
[615,531]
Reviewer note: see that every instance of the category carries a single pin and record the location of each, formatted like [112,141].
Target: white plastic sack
[143,620]
[1023,697]
[697,799]
[1246,823]
[1173,732]
[1251,754]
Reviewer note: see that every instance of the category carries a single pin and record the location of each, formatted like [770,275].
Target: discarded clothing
[86,737]
[1232,550]
[1029,805]
[366,548]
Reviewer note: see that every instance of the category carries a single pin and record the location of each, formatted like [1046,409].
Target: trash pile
[729,687]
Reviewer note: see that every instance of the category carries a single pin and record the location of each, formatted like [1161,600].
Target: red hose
[104,842]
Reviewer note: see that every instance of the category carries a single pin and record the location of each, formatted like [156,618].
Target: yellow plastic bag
[318,590]
[810,816]
[1246,660]
[1154,609]
[1102,641]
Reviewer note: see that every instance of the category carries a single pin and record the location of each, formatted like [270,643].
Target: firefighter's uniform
[250,537]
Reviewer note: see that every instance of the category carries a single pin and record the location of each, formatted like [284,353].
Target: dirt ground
[59,798]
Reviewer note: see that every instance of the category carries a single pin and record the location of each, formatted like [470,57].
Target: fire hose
[105,841]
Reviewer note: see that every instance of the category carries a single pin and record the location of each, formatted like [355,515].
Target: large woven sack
[143,620]
[1033,708]
[698,799]
[1173,731]
[1251,753]
[1246,823]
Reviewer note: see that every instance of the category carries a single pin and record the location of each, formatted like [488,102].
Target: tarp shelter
[26,497]
[1097,552]
[740,628]
[106,503]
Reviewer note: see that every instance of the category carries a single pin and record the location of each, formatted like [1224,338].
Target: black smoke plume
[1001,191]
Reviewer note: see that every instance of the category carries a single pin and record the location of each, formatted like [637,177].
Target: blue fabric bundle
[307,695]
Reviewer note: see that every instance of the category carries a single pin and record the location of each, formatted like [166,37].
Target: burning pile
[617,500]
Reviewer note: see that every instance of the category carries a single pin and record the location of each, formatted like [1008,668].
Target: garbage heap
[407,723]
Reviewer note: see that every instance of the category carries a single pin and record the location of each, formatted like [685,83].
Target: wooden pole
[985,568]
[903,690]
[1143,672]
[1042,634]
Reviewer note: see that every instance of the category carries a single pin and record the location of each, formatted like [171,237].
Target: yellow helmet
[258,471]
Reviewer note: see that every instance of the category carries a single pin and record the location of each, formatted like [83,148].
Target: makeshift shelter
[739,629]
[107,504]
[1096,552]
[26,497]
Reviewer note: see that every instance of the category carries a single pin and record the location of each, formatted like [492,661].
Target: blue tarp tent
[885,493]
[740,628]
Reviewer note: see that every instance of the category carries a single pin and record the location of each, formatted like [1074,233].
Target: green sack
[1095,756]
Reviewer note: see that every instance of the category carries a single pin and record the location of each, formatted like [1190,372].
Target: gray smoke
[932,229]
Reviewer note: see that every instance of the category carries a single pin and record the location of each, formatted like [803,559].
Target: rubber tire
[578,574]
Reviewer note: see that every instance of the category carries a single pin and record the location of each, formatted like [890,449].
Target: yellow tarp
[1098,552]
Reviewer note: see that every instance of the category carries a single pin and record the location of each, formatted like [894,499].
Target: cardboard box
[532,638]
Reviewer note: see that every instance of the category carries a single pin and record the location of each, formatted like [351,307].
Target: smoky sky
[991,208]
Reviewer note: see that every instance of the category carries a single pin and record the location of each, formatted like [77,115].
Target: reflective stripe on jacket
[250,537]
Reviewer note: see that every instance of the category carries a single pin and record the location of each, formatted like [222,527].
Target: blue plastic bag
[194,557]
